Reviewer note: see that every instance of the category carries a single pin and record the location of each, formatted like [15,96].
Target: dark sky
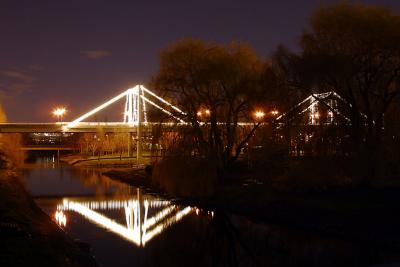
[78,53]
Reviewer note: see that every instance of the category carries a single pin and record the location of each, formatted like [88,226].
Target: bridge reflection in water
[140,227]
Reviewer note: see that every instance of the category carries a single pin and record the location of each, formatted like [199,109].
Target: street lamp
[203,112]
[274,112]
[59,113]
[259,114]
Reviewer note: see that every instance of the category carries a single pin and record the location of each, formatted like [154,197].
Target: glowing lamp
[274,112]
[259,114]
[59,112]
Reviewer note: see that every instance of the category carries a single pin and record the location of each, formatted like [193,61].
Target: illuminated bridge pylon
[135,111]
[134,107]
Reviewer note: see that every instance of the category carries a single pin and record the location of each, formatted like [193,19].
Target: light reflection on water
[117,220]
[45,180]
[139,227]
[97,199]
[127,227]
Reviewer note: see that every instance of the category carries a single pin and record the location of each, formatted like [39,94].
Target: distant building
[48,138]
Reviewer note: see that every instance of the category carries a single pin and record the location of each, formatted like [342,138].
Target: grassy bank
[103,161]
[321,202]
[28,236]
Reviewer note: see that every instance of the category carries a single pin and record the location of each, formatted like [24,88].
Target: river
[127,226]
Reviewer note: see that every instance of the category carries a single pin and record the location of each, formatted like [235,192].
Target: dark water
[127,227]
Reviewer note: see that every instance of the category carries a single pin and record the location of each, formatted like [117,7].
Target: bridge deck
[89,127]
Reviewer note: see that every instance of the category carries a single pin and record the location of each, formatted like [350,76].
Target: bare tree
[353,49]
[217,86]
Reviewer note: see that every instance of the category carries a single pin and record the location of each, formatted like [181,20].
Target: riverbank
[137,177]
[103,161]
[368,217]
[28,236]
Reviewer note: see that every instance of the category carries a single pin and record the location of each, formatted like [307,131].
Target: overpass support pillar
[130,154]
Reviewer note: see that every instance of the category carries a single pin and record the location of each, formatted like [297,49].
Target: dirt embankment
[28,237]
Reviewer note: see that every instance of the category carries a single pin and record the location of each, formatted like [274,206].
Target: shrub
[315,175]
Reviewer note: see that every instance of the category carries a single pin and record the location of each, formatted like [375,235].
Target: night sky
[80,53]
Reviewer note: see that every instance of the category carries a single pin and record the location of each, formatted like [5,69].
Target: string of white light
[93,111]
[131,113]
[162,109]
[163,100]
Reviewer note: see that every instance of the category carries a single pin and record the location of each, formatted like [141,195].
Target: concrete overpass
[82,127]
[94,127]
[48,148]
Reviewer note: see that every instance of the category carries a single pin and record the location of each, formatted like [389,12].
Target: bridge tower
[135,113]
[135,108]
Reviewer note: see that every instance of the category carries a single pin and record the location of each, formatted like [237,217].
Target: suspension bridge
[135,116]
